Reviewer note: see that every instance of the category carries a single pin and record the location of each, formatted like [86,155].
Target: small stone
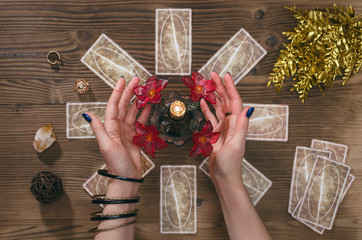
[44,138]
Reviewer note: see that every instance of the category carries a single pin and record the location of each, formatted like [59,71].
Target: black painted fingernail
[229,73]
[122,76]
[250,112]
[136,75]
[86,117]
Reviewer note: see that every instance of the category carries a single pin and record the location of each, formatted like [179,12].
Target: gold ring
[53,57]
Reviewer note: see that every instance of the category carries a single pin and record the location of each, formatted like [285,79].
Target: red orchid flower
[200,88]
[203,140]
[150,92]
[148,138]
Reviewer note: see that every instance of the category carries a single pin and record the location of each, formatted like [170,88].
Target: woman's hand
[114,138]
[232,121]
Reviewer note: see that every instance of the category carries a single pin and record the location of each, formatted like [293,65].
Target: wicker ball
[46,187]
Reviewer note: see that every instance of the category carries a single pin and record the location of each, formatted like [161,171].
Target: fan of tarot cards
[269,122]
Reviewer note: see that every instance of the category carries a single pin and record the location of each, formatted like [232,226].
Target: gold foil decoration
[325,44]
[81,86]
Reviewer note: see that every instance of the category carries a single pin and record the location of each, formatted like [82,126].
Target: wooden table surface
[33,94]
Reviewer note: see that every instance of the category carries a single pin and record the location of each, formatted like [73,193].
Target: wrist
[229,184]
[119,188]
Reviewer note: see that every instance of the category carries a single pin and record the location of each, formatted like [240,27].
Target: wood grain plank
[33,94]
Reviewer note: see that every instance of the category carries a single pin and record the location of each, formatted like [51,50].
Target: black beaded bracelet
[110,217]
[101,199]
[97,230]
[105,173]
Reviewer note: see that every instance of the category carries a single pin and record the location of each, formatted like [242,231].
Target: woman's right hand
[232,121]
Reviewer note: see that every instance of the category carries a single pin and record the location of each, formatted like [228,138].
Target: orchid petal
[196,137]
[213,137]
[140,90]
[189,82]
[196,150]
[159,143]
[206,149]
[149,86]
[139,141]
[195,96]
[140,129]
[150,149]
[210,86]
[161,84]
[197,77]
[141,102]
[210,97]
[151,79]
[152,130]
[207,129]
[156,99]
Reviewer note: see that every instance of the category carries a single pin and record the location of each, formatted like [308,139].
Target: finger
[112,105]
[207,113]
[131,114]
[127,96]
[103,139]
[236,104]
[219,110]
[221,91]
[242,125]
[144,114]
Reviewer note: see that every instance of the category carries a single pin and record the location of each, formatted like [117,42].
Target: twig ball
[46,187]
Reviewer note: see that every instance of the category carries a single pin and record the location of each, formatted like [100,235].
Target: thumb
[243,124]
[100,132]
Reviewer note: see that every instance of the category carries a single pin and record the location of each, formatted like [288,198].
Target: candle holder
[177,118]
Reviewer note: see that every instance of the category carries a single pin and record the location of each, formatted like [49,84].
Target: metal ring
[53,57]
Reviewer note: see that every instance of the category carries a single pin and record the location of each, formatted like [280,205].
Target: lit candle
[177,110]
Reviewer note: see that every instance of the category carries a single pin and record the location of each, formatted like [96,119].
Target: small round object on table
[53,57]
[177,110]
[81,86]
[46,187]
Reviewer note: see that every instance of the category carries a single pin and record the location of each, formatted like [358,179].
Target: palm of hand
[222,160]
[114,137]
[123,157]
[231,121]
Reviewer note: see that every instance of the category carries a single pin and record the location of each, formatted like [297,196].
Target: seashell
[44,138]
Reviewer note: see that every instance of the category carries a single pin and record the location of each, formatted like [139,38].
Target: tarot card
[314,227]
[318,229]
[238,56]
[173,41]
[97,184]
[304,160]
[178,199]
[109,62]
[77,126]
[269,122]
[255,182]
[339,151]
[350,180]
[323,193]
[339,154]
[204,166]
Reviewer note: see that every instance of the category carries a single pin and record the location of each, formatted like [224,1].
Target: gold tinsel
[325,44]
